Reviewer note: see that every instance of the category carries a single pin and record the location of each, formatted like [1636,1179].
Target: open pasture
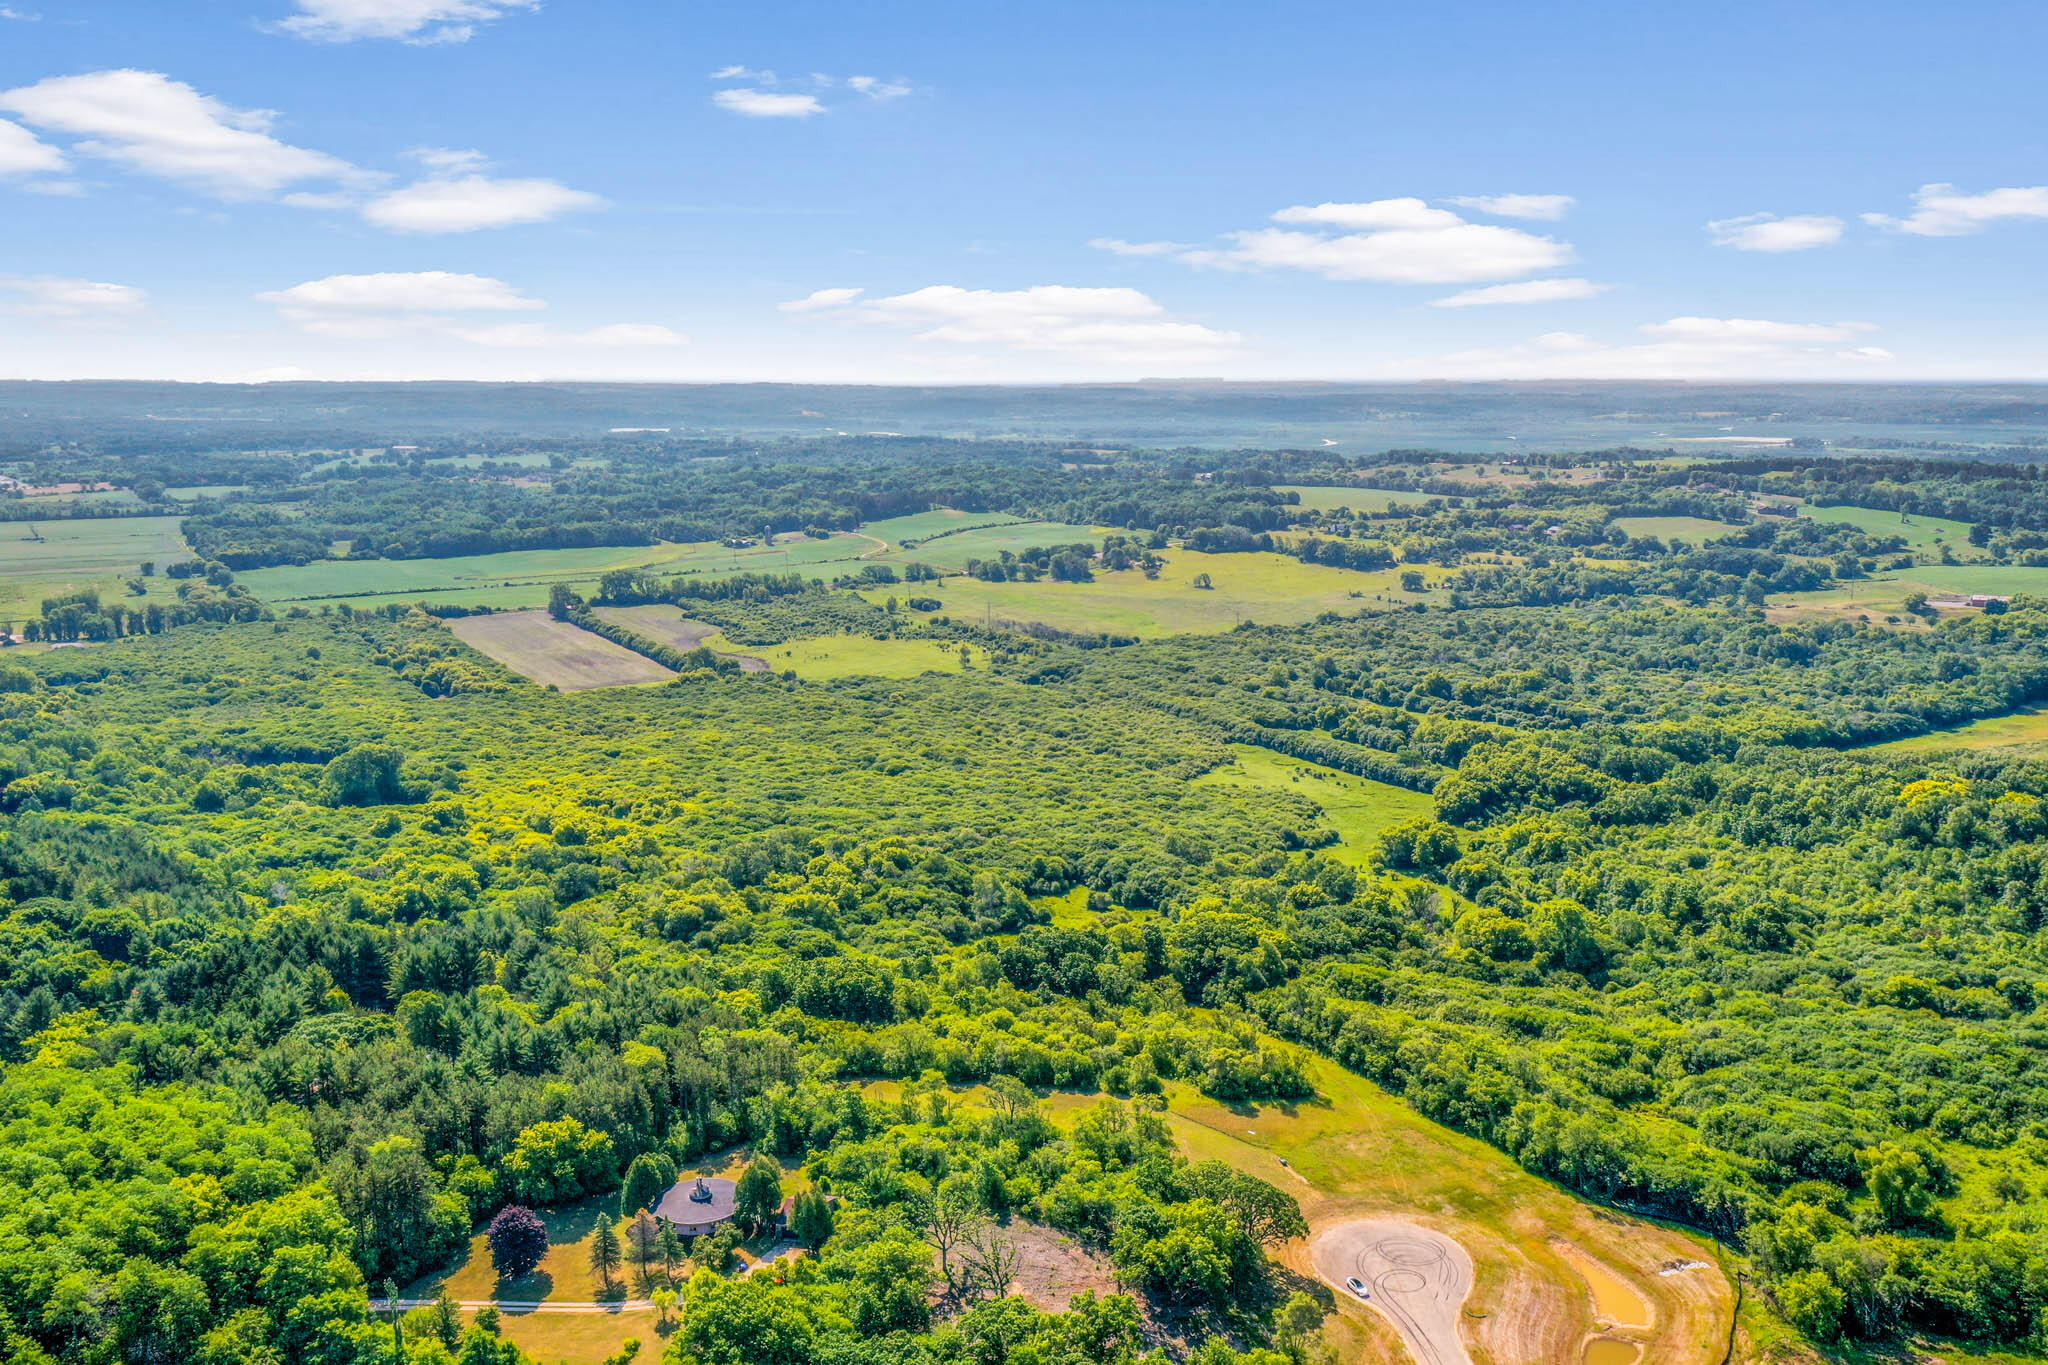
[523,577]
[989,542]
[535,645]
[937,521]
[1357,808]
[73,555]
[1692,530]
[825,658]
[1265,587]
[2026,729]
[1922,534]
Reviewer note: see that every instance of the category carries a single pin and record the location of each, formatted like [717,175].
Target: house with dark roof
[789,1207]
[696,1206]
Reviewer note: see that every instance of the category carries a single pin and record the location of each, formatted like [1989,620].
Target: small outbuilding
[696,1206]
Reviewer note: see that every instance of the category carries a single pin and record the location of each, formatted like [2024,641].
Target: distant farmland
[535,645]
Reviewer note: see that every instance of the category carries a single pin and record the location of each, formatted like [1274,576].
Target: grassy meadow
[1922,534]
[1329,498]
[1357,808]
[73,555]
[1263,587]
[1692,530]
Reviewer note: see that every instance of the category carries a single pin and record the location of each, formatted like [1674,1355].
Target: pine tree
[604,1253]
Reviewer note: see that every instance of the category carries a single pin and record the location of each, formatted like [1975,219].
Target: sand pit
[1419,1280]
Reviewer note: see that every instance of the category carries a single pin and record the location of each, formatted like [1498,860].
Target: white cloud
[744,73]
[469,202]
[442,304]
[1755,330]
[1945,211]
[1375,215]
[1768,232]
[1397,241]
[18,15]
[54,296]
[412,21]
[369,307]
[878,89]
[1118,246]
[1528,291]
[820,299]
[1548,207]
[22,154]
[148,122]
[1678,348]
[767,104]
[1099,325]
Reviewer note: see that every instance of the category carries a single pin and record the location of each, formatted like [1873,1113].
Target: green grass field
[1923,535]
[1693,530]
[1327,498]
[73,555]
[196,491]
[920,525]
[2021,729]
[521,578]
[1268,588]
[825,658]
[1358,808]
[1885,594]
[953,552]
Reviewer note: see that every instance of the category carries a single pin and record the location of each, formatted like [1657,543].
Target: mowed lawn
[1273,589]
[535,645]
[1357,808]
[73,555]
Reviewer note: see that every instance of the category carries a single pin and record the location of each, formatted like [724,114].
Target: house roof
[678,1206]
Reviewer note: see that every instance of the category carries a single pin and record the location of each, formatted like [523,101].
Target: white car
[1357,1286]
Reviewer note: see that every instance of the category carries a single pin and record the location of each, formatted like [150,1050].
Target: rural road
[1418,1277]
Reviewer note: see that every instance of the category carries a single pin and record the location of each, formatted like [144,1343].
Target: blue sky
[899,192]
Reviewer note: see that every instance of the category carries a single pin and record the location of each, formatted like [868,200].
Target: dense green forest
[326,938]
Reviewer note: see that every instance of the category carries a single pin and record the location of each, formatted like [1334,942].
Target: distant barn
[697,1205]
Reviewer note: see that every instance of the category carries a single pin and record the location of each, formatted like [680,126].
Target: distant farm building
[696,1206]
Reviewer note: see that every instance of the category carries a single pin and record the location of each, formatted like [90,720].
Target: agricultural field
[523,577]
[1691,530]
[1885,594]
[939,521]
[826,658]
[952,552]
[1265,587]
[555,653]
[75,554]
[1356,808]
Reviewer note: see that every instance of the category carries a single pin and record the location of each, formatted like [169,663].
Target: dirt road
[1418,1278]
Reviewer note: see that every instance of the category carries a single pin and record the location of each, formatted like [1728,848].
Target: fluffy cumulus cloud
[767,95]
[147,122]
[767,103]
[456,196]
[1945,211]
[411,21]
[1769,232]
[68,299]
[1547,207]
[21,153]
[1678,348]
[819,299]
[1107,326]
[1393,241]
[153,125]
[440,303]
[1527,291]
